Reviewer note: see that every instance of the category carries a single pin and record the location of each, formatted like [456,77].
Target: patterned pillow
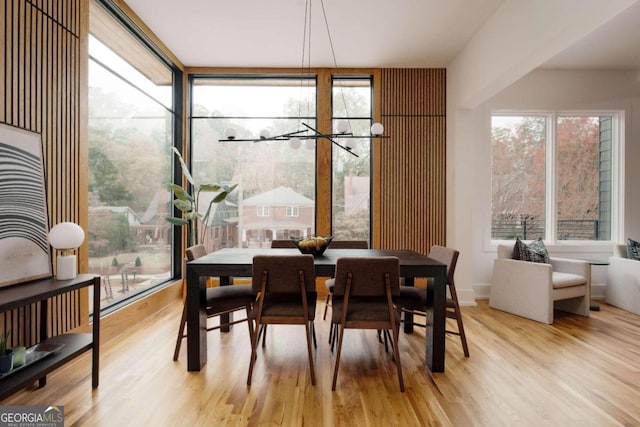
[633,249]
[535,251]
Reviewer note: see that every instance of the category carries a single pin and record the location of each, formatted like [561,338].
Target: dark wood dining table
[238,262]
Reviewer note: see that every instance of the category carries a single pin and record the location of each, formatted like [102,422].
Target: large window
[352,174]
[552,176]
[271,176]
[131,130]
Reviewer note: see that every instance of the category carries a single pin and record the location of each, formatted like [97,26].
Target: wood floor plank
[578,371]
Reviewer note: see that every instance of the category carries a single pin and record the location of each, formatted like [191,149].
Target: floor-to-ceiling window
[132,122]
[275,196]
[351,189]
[553,176]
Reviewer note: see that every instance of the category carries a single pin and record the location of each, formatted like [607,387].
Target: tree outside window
[574,202]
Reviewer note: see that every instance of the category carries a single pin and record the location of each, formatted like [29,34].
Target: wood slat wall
[42,70]
[411,166]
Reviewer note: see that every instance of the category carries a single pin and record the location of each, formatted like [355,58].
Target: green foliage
[110,233]
[114,262]
[188,204]
[138,262]
[106,179]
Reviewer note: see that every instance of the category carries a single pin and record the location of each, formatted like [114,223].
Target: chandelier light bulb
[342,126]
[295,143]
[350,145]
[309,143]
[264,134]
[377,129]
[230,133]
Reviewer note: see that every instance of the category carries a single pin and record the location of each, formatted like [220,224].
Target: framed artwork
[24,219]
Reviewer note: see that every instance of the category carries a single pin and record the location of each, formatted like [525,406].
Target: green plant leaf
[193,215]
[176,221]
[183,205]
[210,187]
[180,193]
[185,169]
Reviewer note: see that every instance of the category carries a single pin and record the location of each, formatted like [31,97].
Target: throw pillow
[535,251]
[633,249]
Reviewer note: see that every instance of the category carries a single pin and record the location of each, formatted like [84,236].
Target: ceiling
[365,33]
[615,45]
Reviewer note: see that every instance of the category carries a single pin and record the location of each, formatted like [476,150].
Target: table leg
[196,320]
[225,319]
[435,331]
[408,317]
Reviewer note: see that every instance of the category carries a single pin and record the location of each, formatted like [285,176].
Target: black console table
[16,296]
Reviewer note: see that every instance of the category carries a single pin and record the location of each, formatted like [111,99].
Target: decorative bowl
[314,245]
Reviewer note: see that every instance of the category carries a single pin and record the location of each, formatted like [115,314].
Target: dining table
[227,263]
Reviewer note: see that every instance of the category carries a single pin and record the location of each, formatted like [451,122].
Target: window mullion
[551,179]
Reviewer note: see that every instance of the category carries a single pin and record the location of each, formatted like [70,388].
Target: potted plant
[6,354]
[188,203]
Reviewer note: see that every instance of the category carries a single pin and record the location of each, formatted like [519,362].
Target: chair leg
[463,337]
[183,321]
[330,333]
[326,305]
[254,344]
[396,351]
[335,369]
[335,327]
[250,323]
[313,333]
[263,332]
[458,316]
[380,339]
[312,370]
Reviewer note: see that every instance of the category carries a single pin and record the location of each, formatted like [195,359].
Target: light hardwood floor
[576,372]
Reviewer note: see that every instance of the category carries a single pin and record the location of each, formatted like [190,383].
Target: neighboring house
[132,218]
[275,214]
[154,221]
[222,227]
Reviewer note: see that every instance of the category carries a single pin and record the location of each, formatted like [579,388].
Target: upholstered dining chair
[277,244]
[220,300]
[329,283]
[363,299]
[282,244]
[415,300]
[285,286]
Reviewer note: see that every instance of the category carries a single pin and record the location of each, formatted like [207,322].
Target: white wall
[496,66]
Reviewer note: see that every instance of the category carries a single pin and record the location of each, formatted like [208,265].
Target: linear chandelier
[309,133]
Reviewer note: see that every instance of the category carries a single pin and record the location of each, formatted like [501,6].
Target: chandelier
[305,132]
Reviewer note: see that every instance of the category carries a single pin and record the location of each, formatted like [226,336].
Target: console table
[20,295]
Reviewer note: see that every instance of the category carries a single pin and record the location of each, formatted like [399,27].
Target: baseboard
[466,297]
[482,290]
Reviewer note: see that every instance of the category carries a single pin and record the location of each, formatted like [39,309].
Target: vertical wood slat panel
[412,203]
[40,92]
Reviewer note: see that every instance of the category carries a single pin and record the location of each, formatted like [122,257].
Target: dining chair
[277,244]
[220,300]
[416,300]
[285,289]
[330,283]
[282,244]
[363,299]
